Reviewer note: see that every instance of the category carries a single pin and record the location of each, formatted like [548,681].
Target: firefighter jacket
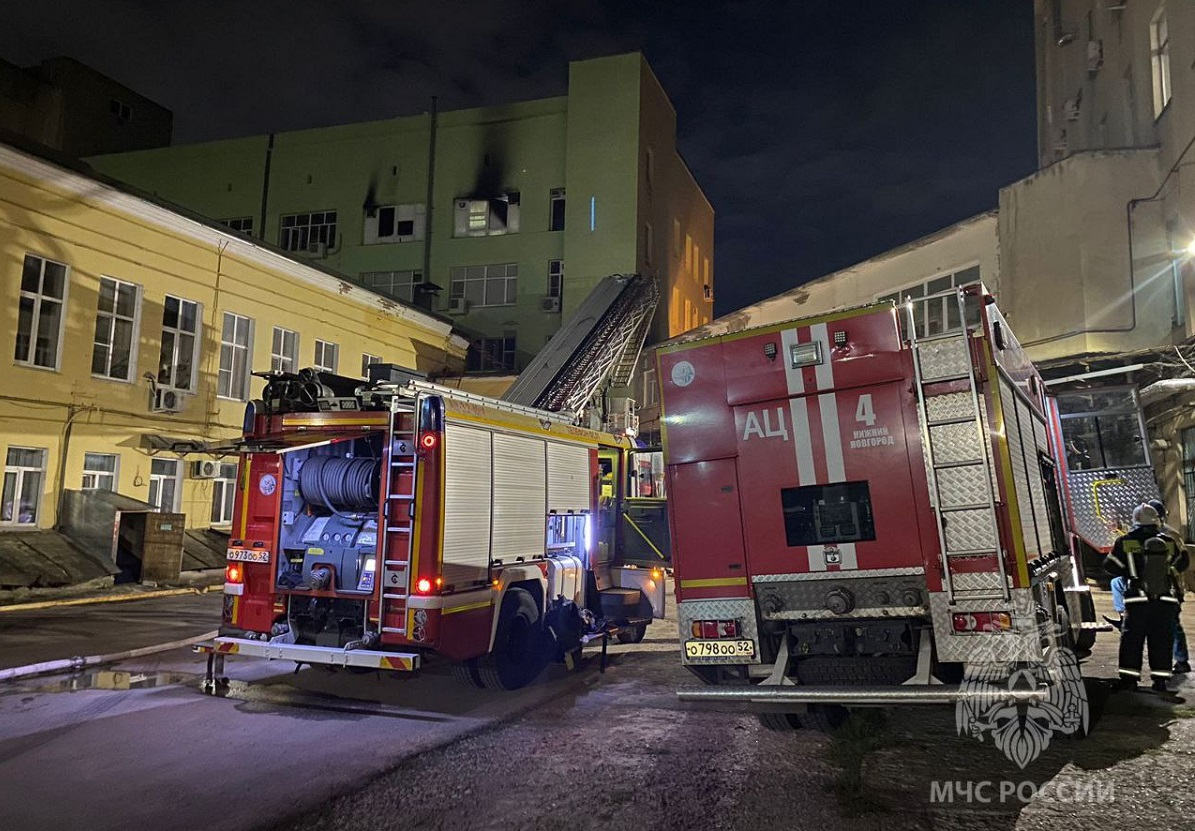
[1146,581]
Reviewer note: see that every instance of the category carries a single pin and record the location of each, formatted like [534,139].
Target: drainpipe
[73,411]
[265,186]
[431,186]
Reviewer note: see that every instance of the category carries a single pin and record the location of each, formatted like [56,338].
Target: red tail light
[423,586]
[427,441]
[233,574]
[712,629]
[981,621]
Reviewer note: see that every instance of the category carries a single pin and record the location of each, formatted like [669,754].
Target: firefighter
[1150,561]
[1182,662]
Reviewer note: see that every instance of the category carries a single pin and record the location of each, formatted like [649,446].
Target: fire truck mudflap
[864,510]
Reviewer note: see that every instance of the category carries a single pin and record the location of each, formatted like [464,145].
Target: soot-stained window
[817,514]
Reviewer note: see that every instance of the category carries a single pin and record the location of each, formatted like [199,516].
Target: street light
[1191,248]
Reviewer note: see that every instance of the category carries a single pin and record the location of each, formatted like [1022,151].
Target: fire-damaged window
[817,514]
[395,223]
[487,217]
[492,355]
[1102,429]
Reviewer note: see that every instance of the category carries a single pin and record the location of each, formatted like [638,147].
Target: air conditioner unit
[1095,55]
[206,469]
[1071,108]
[550,304]
[165,401]
[457,306]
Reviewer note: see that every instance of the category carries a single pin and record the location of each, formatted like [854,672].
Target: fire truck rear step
[305,654]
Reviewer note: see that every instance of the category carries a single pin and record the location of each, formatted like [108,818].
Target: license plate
[244,555]
[720,649]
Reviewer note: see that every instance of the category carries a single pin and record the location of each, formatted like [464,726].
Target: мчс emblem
[683,373]
[998,699]
[267,484]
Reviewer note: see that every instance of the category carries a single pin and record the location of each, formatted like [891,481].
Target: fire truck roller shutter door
[468,475]
[568,477]
[520,497]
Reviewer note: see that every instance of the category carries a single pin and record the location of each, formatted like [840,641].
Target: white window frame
[170,380]
[651,393]
[399,284]
[1159,60]
[556,278]
[92,476]
[957,279]
[38,299]
[281,358]
[415,213]
[308,231]
[556,197]
[464,279]
[236,358]
[155,485]
[20,474]
[323,350]
[112,317]
[224,488]
[366,360]
[242,224]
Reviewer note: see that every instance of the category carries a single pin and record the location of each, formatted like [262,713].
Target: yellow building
[130,330]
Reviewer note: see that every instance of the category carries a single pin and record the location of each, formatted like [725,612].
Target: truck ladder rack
[957,447]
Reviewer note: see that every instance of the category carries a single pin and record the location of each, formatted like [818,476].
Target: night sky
[823,131]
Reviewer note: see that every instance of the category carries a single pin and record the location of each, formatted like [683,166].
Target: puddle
[106,679]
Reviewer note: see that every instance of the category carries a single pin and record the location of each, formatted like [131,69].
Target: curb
[107,598]
[81,662]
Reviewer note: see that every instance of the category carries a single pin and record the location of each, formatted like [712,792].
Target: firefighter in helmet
[1150,561]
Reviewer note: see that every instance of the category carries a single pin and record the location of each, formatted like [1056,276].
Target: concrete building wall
[591,144]
[63,409]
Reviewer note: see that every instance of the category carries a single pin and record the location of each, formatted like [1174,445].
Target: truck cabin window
[1101,429]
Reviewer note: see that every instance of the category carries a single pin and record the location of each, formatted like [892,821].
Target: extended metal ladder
[396,531]
[957,452]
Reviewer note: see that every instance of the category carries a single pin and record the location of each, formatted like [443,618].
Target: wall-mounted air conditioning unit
[457,306]
[550,304]
[206,469]
[165,401]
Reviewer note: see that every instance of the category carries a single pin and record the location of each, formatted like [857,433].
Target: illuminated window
[1159,56]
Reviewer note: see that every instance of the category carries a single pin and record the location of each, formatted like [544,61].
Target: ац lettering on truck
[863,505]
[377,526]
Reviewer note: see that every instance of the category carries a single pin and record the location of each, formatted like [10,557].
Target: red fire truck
[377,525]
[862,505]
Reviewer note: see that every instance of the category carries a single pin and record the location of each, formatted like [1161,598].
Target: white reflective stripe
[802,441]
[817,557]
[835,466]
[792,375]
[1131,672]
[824,370]
[1136,600]
[1161,673]
[1116,560]
[1169,599]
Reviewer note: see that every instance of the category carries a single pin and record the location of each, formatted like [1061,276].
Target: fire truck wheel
[466,673]
[517,657]
[780,722]
[632,634]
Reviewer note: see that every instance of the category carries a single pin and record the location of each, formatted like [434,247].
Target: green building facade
[532,203]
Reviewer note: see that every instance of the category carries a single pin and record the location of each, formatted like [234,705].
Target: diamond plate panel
[977,581]
[741,609]
[1021,644]
[1103,501]
[943,358]
[970,531]
[955,443]
[950,405]
[963,486]
[1020,474]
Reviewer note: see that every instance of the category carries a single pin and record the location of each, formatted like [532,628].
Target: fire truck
[862,506]
[379,525]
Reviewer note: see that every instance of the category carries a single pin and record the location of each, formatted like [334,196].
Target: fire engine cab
[862,509]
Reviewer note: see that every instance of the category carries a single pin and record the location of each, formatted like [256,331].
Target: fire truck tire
[466,673]
[517,656]
[824,718]
[780,722]
[632,634]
